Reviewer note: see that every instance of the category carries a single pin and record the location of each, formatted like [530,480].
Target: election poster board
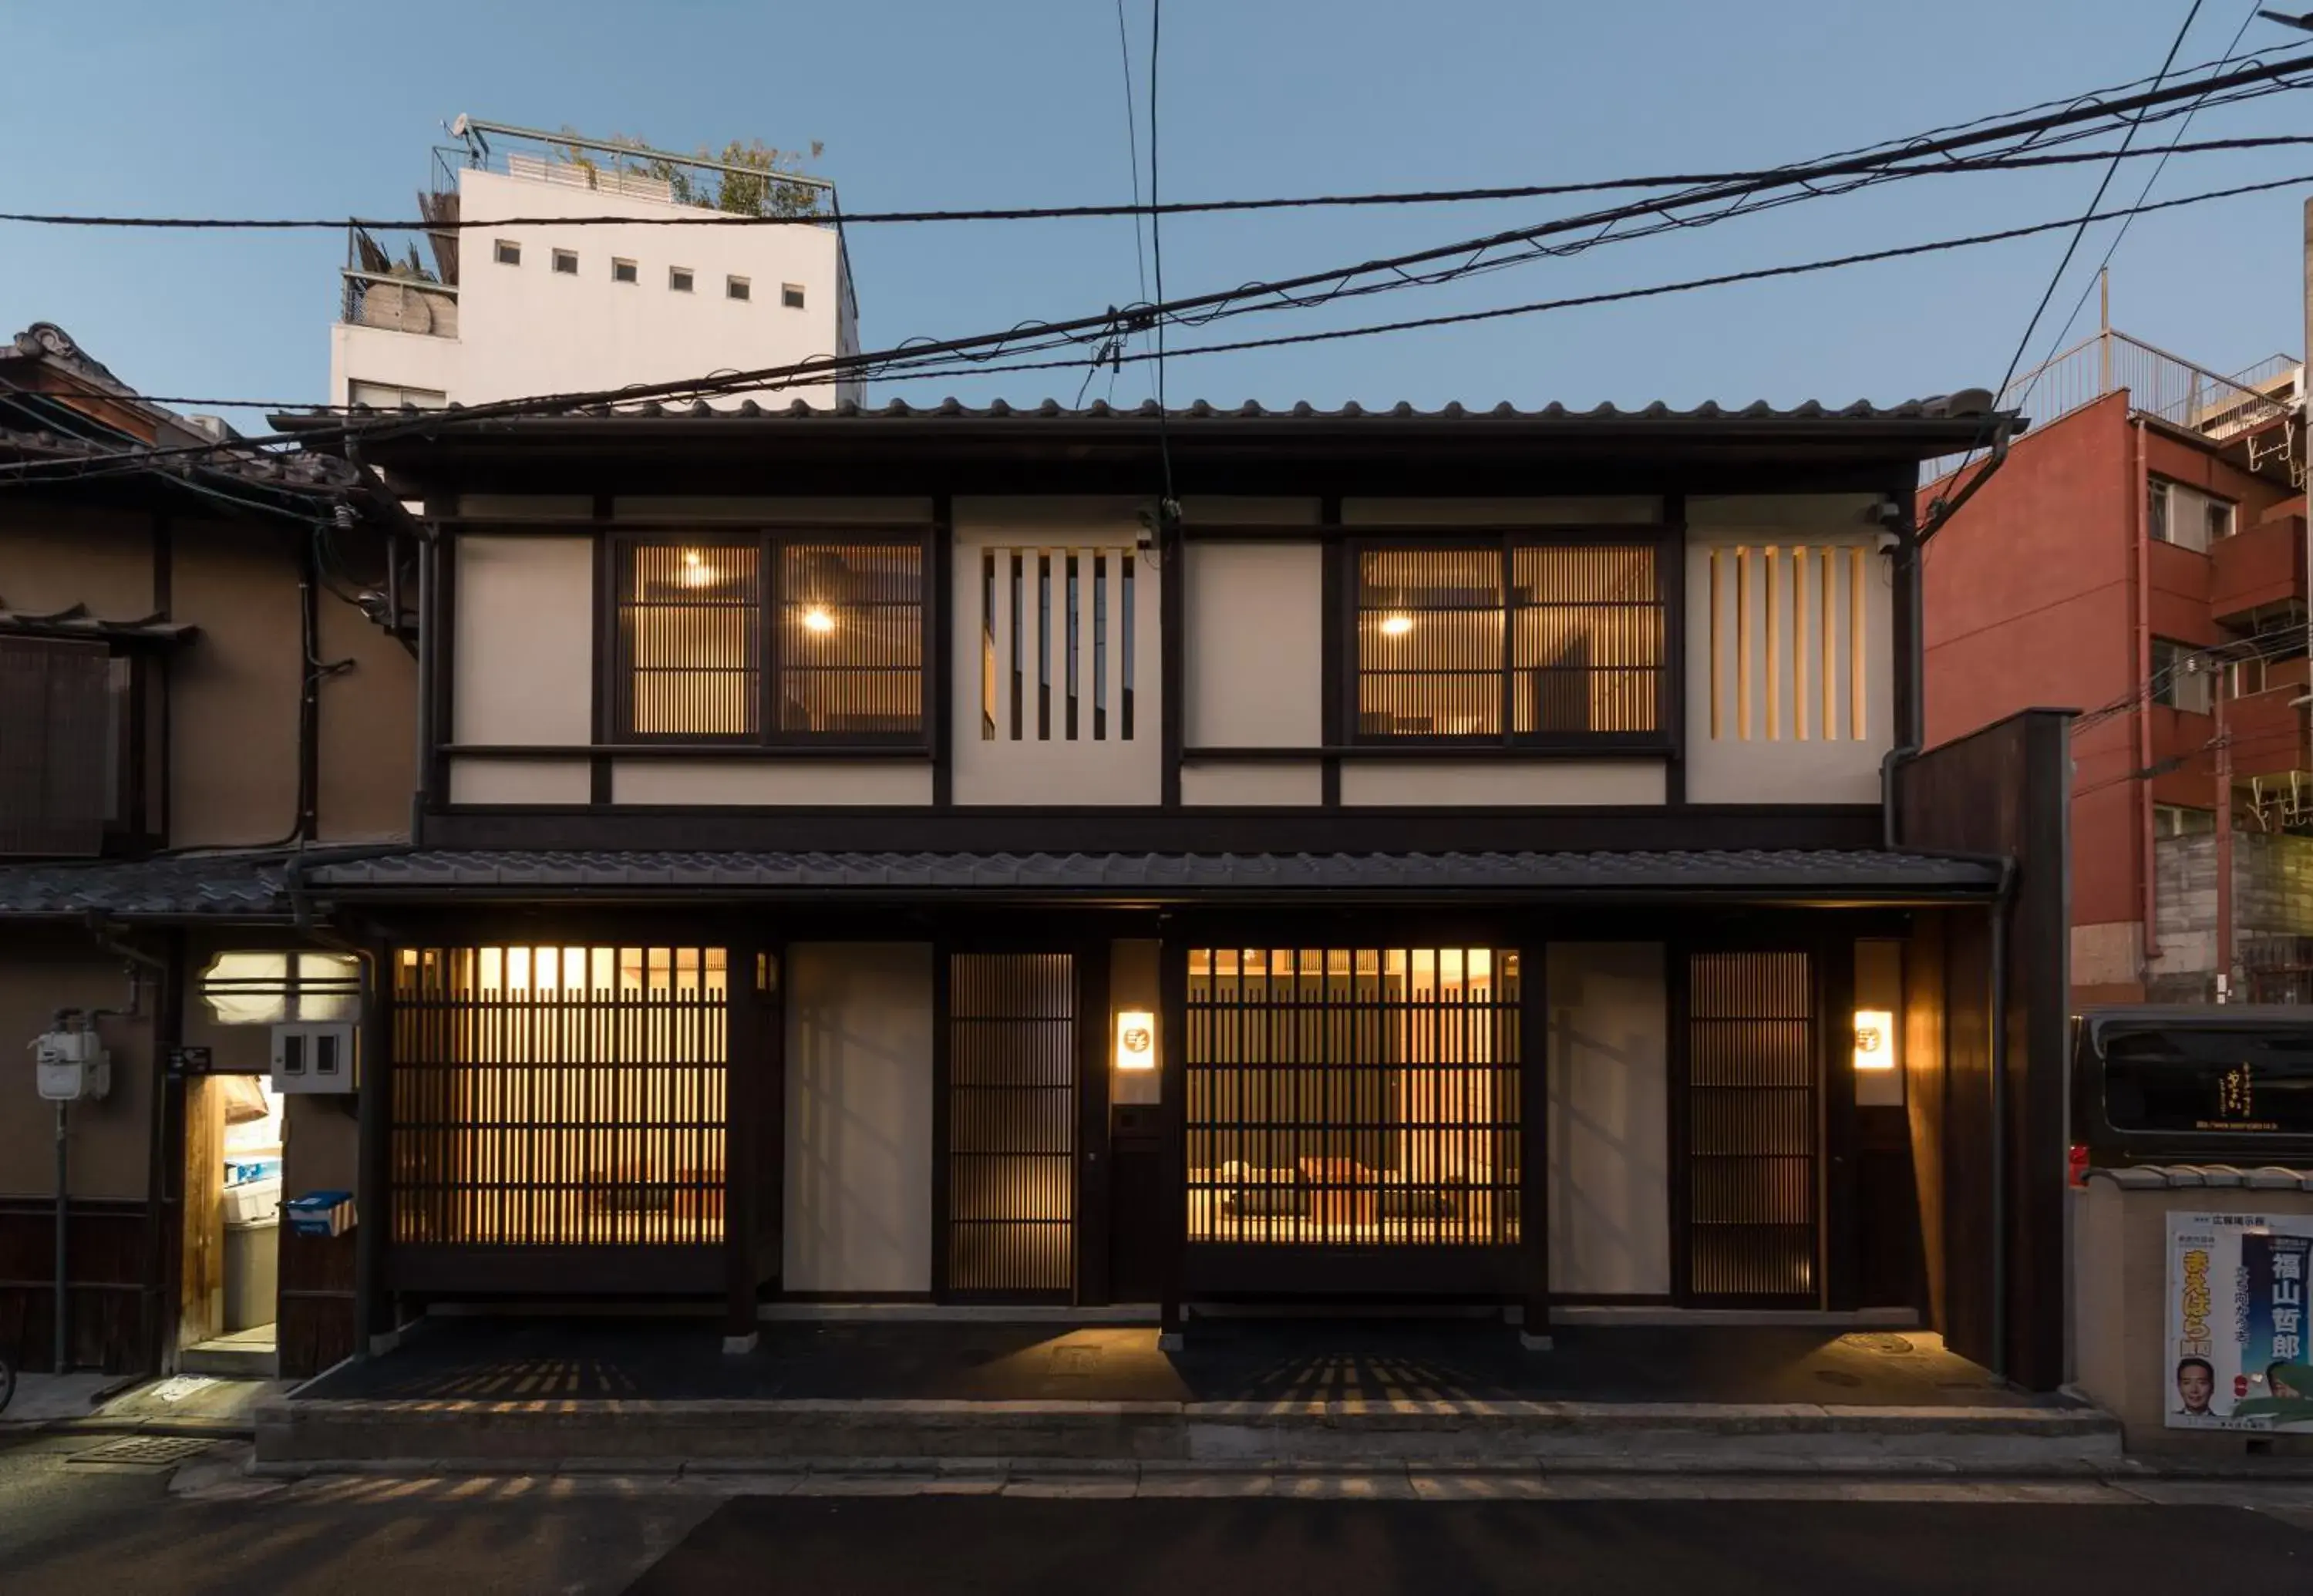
[2237,1355]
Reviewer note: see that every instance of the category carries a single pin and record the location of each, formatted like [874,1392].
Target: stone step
[302,1434]
[227,1362]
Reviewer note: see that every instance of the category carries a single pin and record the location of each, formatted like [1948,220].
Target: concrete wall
[857,1214]
[2273,897]
[2119,1284]
[1609,1106]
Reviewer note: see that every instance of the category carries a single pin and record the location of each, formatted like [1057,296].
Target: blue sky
[246,108]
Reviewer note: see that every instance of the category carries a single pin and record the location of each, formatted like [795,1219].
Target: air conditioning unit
[314,1056]
[72,1066]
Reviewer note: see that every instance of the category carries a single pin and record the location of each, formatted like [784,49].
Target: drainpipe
[2149,905]
[1999,1138]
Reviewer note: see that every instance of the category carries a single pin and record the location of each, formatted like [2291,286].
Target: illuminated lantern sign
[1136,1040]
[1875,1039]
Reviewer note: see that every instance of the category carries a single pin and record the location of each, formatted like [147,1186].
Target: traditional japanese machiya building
[892,855]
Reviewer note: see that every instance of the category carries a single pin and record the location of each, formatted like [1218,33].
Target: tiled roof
[2270,1178]
[517,871]
[77,622]
[220,883]
[1967,403]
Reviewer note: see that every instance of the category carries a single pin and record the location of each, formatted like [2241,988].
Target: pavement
[1265,1360]
[185,1404]
[71,1522]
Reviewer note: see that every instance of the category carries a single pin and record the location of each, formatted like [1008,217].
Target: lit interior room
[1339,1095]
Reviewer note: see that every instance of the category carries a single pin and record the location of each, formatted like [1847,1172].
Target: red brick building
[2140,554]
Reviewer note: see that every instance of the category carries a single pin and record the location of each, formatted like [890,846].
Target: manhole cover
[1878,1341]
[153,1452]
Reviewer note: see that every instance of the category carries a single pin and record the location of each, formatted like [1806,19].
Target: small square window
[567,261]
[509,252]
[678,279]
[737,288]
[2220,520]
[791,296]
[624,271]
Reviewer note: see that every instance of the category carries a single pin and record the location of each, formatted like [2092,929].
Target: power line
[1895,148]
[2144,194]
[1156,251]
[1468,253]
[126,463]
[2111,171]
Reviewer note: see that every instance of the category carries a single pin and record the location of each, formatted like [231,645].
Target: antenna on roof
[478,148]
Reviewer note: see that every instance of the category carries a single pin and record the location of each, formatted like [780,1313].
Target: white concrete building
[549,304]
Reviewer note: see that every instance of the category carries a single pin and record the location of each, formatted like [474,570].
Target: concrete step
[302,1435]
[230,1360]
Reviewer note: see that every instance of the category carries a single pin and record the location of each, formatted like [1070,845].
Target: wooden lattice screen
[1011,1124]
[558,1095]
[1751,1133]
[1353,1096]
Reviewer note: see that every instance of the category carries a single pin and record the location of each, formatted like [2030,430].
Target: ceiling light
[1396,626]
[818,620]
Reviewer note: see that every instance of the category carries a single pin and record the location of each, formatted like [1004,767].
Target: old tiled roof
[77,622]
[2270,1178]
[176,888]
[516,871]
[1968,403]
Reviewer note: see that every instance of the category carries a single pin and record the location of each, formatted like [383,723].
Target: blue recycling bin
[319,1213]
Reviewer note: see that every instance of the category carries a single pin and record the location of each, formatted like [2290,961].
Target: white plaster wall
[405,360]
[1729,769]
[805,782]
[520,781]
[858,1183]
[1057,772]
[1609,1127]
[1550,782]
[1620,510]
[523,657]
[1255,651]
[1253,785]
[528,329]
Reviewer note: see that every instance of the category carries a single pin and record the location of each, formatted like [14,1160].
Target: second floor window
[782,638]
[1535,643]
[2181,675]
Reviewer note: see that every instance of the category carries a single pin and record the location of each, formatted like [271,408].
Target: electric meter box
[72,1066]
[314,1056]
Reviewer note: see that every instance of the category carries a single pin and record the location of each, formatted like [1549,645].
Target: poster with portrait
[2235,1334]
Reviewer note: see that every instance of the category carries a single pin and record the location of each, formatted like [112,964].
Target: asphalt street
[75,1525]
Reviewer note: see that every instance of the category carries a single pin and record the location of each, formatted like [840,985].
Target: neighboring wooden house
[202,673]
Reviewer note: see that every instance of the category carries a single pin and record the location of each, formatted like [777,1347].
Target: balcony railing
[399,304]
[2164,386]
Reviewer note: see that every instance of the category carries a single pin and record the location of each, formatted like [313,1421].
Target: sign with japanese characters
[2235,1334]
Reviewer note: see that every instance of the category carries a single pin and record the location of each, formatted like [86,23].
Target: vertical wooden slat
[1857,688]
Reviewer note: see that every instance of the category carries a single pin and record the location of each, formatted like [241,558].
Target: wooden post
[374,1317]
[1835,1027]
[1093,1006]
[1172,1058]
[1534,1145]
[743,1084]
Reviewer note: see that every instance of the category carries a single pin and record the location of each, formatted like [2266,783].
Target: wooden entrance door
[1752,1188]
[1009,1142]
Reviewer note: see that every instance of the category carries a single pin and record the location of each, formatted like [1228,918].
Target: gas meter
[72,1065]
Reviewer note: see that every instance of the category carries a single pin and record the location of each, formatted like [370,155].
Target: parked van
[2192,1084]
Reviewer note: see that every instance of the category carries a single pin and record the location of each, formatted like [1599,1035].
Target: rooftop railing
[2164,386]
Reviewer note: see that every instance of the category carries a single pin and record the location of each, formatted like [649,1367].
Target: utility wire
[1170,508]
[2064,264]
[988,347]
[124,462]
[1894,147]
[2111,249]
